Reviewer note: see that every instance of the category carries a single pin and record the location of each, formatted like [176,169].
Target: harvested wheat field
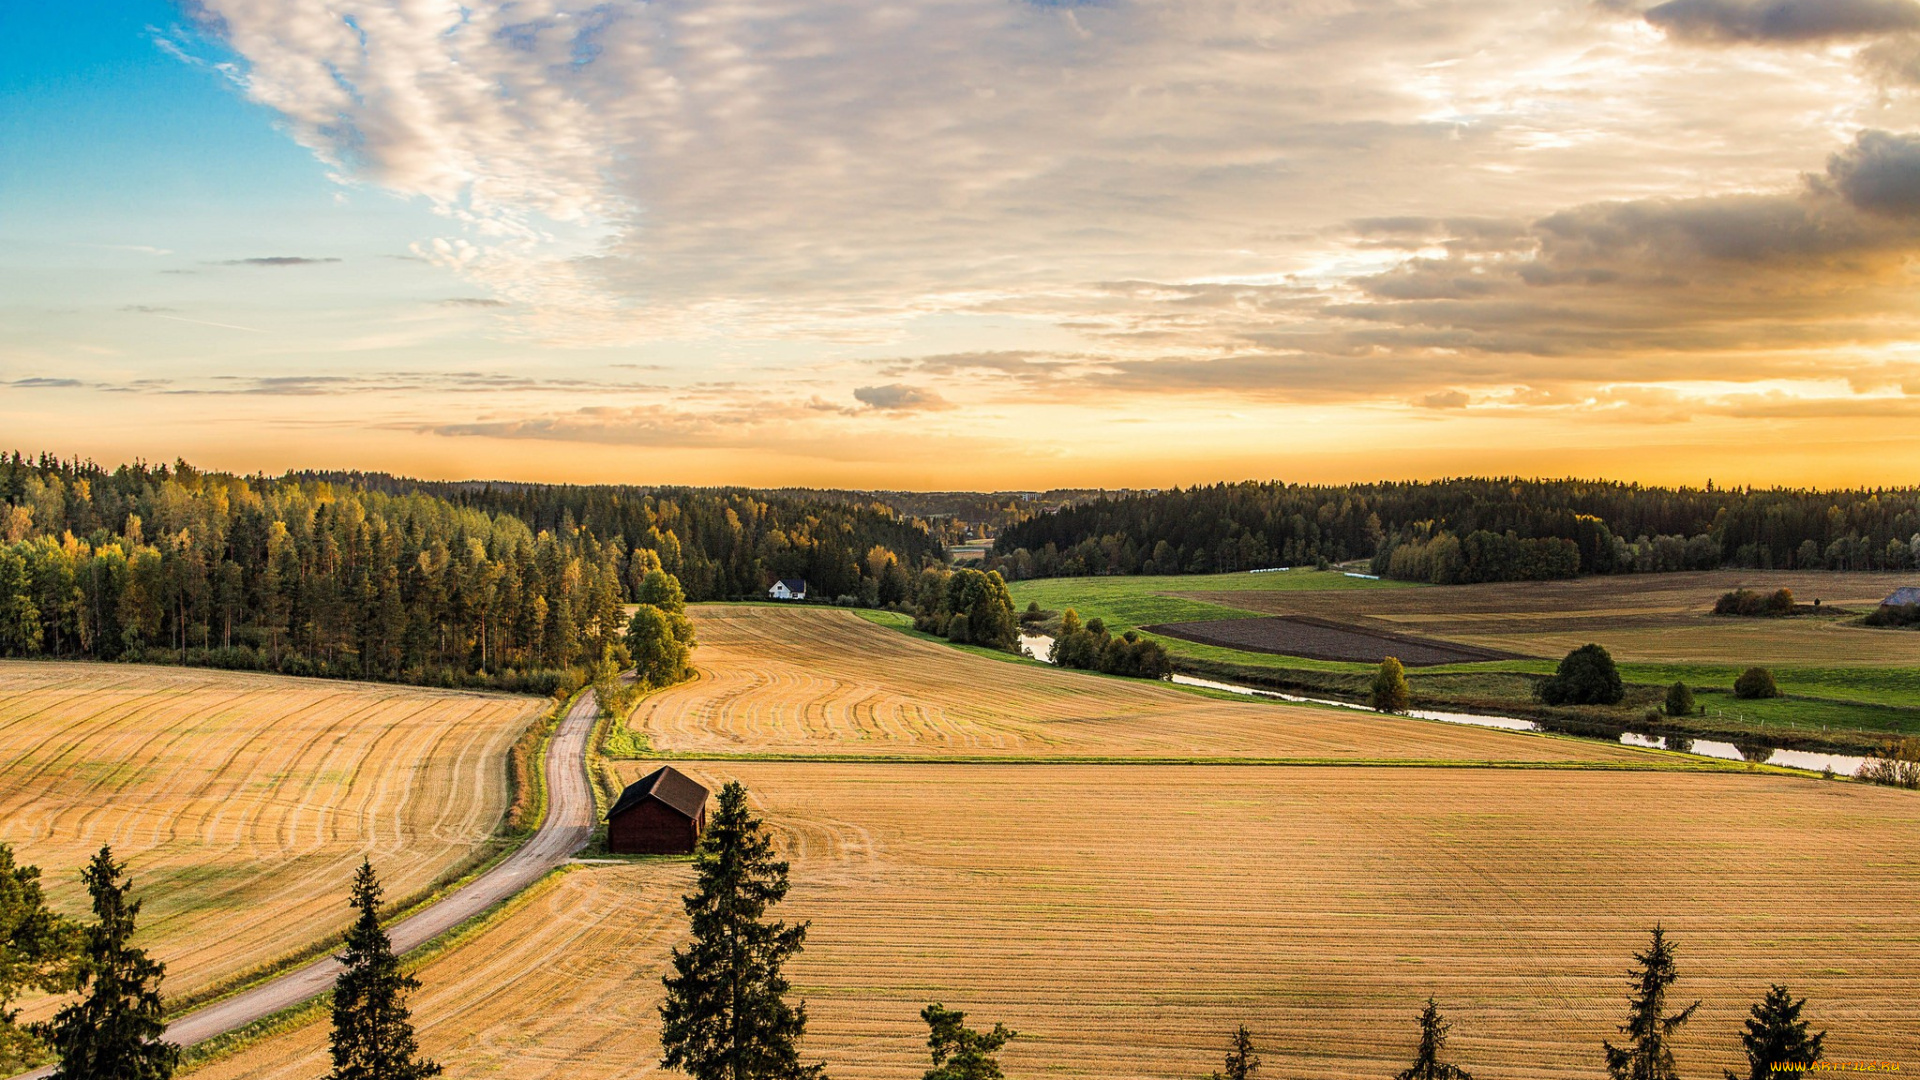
[242,802]
[1659,618]
[800,680]
[1125,918]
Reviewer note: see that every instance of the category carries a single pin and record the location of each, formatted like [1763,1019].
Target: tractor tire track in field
[568,825]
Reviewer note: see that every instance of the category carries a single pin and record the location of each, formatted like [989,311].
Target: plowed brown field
[1662,618]
[810,680]
[242,802]
[1126,918]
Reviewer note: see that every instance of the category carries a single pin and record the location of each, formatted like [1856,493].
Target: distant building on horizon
[788,589]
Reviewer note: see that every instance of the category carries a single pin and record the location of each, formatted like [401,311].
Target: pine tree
[959,1052]
[1647,1055]
[1776,1037]
[1433,1039]
[372,1027]
[114,1029]
[1241,1062]
[726,1016]
[1390,693]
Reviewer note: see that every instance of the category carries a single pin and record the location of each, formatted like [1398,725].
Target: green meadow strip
[1678,763]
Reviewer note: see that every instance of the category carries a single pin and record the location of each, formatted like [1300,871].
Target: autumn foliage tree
[1390,693]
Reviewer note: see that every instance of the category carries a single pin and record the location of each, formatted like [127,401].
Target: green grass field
[1129,602]
[1843,707]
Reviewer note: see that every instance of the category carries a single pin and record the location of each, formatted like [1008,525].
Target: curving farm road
[569,821]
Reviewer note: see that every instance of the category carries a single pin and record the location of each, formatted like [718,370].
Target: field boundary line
[1699,765]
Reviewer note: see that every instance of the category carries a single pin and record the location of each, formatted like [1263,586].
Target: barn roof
[1907,595]
[794,584]
[666,784]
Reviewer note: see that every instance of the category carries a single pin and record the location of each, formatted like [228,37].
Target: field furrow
[811,680]
[1126,919]
[242,802]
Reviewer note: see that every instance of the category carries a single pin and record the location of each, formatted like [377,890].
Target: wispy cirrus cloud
[280,260]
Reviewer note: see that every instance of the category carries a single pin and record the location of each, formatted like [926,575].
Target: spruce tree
[726,1016]
[1433,1039]
[1776,1037]
[372,1027]
[1241,1062]
[959,1052]
[113,1031]
[1647,1055]
[39,950]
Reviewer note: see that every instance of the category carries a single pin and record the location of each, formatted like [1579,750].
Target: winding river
[1039,645]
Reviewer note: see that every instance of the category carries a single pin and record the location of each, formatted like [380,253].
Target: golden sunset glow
[965,245]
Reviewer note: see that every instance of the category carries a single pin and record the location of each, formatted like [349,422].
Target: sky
[966,243]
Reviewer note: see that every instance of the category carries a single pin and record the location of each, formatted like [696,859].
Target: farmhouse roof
[1908,595]
[666,784]
[794,584]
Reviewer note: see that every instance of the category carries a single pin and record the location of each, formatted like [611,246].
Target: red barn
[661,813]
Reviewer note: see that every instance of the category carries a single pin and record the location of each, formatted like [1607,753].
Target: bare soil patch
[1324,639]
[1640,617]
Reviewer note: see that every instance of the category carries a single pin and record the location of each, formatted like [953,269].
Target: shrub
[1755,682]
[1390,691]
[1748,603]
[1679,700]
[1894,615]
[1897,764]
[1586,676]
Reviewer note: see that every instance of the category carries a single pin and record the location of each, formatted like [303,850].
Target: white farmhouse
[788,589]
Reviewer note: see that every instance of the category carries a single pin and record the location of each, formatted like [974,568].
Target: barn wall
[651,829]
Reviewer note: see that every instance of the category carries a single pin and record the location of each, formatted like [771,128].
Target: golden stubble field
[1658,618]
[243,802]
[813,680]
[1126,918]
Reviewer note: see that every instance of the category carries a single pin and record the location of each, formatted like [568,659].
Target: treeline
[305,578]
[955,516]
[720,543]
[1466,530]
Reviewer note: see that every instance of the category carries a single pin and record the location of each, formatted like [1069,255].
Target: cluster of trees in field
[721,543]
[969,607]
[1092,647]
[518,588]
[1464,530]
[1751,604]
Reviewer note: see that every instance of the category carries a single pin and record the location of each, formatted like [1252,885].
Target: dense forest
[956,517]
[516,587]
[1454,531]
[722,543]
